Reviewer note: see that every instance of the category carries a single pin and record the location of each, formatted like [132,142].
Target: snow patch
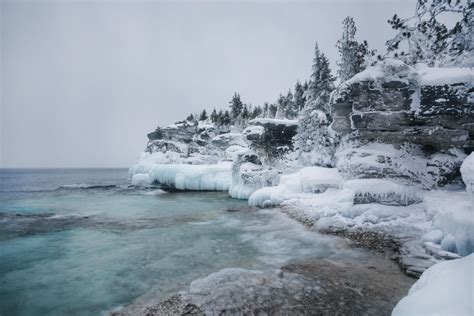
[444,289]
[440,76]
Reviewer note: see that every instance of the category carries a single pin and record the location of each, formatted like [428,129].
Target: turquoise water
[82,242]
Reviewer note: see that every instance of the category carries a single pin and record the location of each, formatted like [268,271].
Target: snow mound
[307,180]
[467,172]
[444,289]
[441,76]
[191,177]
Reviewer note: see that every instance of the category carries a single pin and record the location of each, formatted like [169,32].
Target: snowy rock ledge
[444,289]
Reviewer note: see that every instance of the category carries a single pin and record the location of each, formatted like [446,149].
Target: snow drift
[444,289]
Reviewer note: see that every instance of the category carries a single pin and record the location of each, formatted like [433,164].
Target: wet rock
[311,287]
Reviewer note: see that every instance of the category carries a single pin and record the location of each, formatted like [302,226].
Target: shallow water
[82,242]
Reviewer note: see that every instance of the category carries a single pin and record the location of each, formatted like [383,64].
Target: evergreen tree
[292,109]
[220,118]
[236,106]
[214,116]
[272,110]
[257,111]
[266,110]
[191,118]
[351,52]
[314,141]
[245,113]
[427,39]
[203,115]
[299,98]
[321,84]
[281,107]
[226,118]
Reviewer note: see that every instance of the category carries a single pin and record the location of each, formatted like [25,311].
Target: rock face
[394,104]
[271,137]
[401,106]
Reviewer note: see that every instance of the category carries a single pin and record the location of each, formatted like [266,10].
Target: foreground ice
[446,288]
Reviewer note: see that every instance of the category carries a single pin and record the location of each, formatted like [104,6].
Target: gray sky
[82,82]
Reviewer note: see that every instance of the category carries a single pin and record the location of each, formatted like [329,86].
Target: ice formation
[467,172]
[307,180]
[444,289]
[188,177]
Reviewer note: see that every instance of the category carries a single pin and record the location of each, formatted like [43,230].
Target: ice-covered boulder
[444,289]
[467,172]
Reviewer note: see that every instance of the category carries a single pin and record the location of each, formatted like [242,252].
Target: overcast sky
[83,82]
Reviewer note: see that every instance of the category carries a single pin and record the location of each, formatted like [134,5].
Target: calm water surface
[83,241]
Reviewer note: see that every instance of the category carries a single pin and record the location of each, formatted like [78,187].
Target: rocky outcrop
[271,137]
[396,104]
[424,114]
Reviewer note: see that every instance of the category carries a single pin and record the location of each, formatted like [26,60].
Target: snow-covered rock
[407,164]
[394,103]
[467,172]
[249,175]
[271,138]
[447,288]
[226,140]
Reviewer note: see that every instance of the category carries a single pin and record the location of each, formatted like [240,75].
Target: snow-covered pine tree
[315,142]
[236,106]
[428,40]
[265,110]
[245,114]
[281,107]
[226,118]
[321,84]
[351,52]
[299,98]
[220,118]
[203,115]
[272,110]
[256,112]
[292,110]
[214,116]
